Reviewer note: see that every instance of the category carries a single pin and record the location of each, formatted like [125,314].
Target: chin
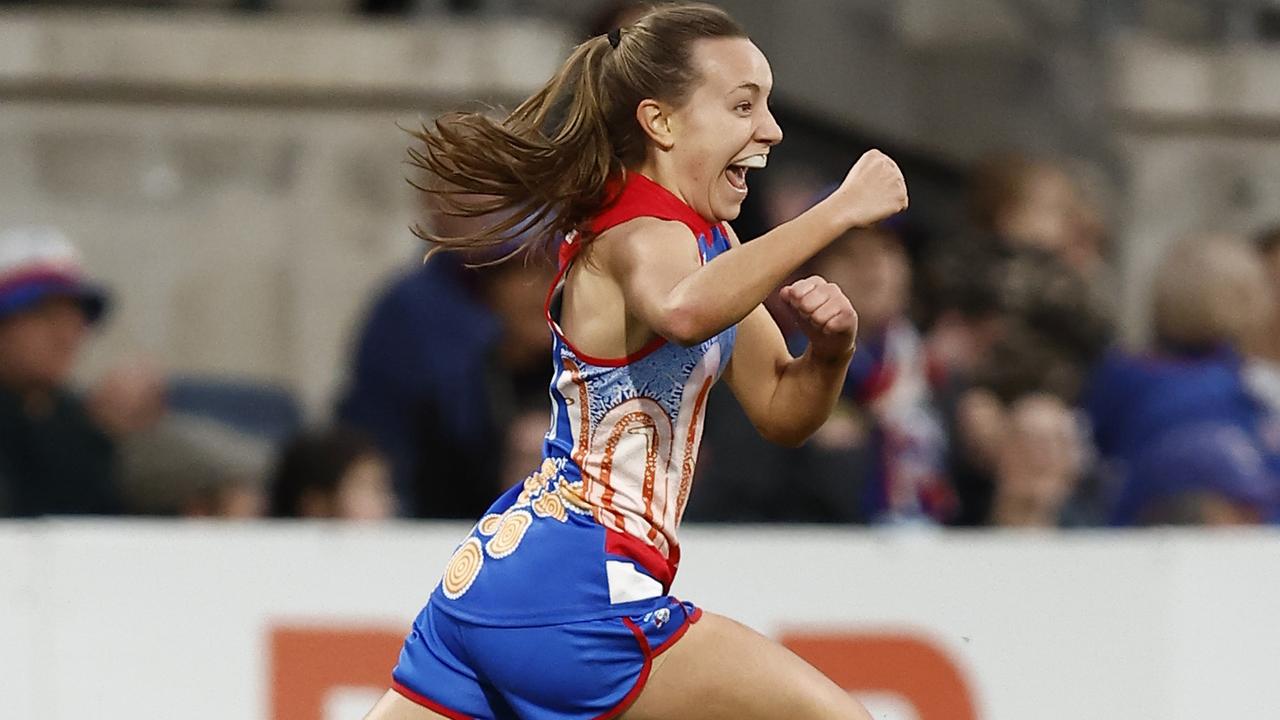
[727,211]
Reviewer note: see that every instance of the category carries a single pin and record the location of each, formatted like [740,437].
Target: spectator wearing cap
[55,456]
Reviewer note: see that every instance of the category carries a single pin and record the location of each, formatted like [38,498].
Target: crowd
[988,388]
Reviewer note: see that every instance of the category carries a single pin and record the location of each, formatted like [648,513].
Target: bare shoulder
[642,242]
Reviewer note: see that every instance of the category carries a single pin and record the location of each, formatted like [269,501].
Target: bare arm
[787,398]
[668,291]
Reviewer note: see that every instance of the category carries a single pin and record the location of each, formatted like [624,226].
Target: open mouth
[737,170]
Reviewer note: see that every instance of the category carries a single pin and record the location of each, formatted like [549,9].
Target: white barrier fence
[140,619]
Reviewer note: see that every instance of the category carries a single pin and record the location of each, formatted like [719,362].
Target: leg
[394,706]
[723,670]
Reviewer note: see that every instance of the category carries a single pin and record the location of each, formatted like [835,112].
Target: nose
[768,131]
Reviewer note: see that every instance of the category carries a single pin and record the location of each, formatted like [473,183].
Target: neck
[658,171]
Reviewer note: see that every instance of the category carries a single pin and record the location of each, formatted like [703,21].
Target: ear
[655,119]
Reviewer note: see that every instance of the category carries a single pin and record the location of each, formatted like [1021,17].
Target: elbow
[788,437]
[684,326]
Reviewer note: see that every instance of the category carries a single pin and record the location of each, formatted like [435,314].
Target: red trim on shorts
[428,703]
[649,655]
[647,556]
[634,693]
[690,619]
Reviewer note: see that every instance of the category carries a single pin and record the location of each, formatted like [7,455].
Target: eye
[743,107]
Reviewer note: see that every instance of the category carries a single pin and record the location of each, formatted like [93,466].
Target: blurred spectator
[336,473]
[744,478]
[1034,331]
[230,500]
[448,357]
[1031,202]
[1016,308]
[1031,223]
[1201,474]
[57,450]
[1209,293]
[967,313]
[1037,456]
[889,380]
[209,455]
[1210,297]
[196,467]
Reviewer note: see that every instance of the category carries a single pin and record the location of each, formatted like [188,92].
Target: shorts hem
[420,699]
[649,655]
[666,645]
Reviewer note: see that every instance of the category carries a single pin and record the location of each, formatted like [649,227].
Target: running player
[636,153]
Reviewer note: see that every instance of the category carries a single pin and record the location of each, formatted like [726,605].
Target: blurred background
[211,306]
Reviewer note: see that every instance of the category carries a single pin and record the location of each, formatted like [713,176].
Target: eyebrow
[748,86]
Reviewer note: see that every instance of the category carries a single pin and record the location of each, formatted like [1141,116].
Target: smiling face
[705,147]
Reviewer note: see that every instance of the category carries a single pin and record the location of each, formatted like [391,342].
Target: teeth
[753,161]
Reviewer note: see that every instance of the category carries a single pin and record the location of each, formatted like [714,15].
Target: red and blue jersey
[592,533]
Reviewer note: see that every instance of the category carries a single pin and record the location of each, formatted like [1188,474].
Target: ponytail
[546,168]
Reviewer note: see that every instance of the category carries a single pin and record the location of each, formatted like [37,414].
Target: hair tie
[615,37]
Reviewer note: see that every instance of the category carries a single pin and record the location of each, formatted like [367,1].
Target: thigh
[394,706]
[723,670]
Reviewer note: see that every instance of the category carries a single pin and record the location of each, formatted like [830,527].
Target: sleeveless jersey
[592,533]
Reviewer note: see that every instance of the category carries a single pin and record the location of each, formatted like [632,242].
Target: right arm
[665,288]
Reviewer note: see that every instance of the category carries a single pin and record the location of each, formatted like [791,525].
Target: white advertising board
[208,621]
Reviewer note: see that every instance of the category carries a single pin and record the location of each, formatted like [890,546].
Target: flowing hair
[546,168]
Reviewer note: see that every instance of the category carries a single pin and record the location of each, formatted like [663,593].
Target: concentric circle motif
[463,569]
[550,505]
[488,524]
[510,533]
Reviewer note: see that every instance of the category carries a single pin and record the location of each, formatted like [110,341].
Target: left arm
[788,398]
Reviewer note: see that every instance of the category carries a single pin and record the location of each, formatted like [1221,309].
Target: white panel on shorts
[627,584]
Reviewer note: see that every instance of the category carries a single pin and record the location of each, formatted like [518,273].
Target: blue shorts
[591,669]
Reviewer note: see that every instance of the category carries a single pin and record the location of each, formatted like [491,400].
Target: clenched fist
[873,190]
[826,317]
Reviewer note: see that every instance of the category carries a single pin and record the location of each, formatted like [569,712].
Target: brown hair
[545,168]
